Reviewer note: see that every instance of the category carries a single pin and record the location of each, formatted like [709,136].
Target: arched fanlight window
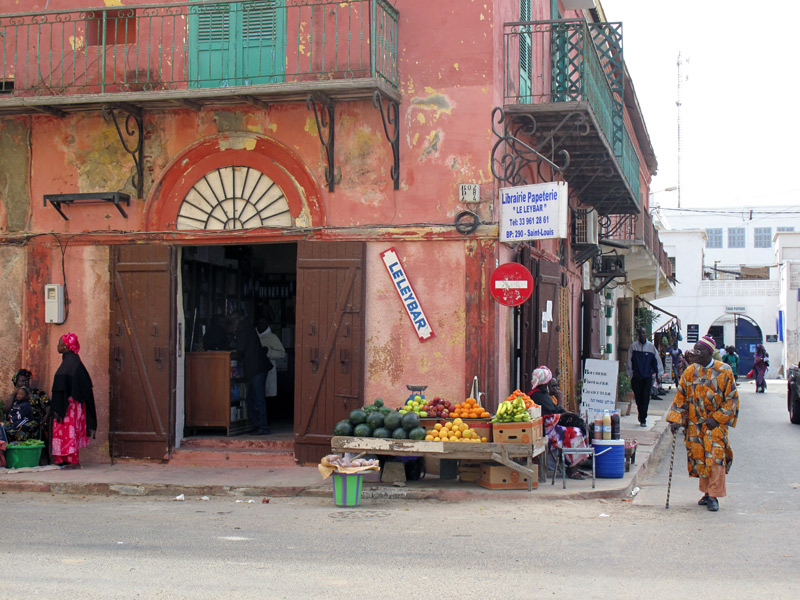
[234,197]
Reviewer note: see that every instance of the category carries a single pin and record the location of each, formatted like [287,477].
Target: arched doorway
[748,334]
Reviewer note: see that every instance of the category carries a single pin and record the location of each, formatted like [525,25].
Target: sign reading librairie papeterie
[408,296]
[533,212]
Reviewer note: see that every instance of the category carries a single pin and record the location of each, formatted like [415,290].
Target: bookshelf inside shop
[214,286]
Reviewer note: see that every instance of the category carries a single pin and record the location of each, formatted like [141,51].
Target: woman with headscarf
[760,365]
[563,429]
[35,427]
[73,407]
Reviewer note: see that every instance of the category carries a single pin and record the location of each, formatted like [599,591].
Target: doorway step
[234,452]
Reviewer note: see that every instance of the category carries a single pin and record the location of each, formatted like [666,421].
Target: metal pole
[671,461]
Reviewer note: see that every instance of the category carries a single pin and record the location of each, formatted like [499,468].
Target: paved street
[123,547]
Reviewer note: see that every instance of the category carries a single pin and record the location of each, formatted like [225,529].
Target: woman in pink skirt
[72,403]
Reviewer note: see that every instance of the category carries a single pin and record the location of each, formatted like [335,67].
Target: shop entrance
[260,282]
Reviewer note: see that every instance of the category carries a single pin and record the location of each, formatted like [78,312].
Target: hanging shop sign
[408,296]
[511,284]
[533,212]
[599,388]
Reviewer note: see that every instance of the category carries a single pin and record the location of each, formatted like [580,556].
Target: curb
[324,491]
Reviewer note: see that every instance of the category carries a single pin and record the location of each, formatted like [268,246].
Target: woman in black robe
[72,404]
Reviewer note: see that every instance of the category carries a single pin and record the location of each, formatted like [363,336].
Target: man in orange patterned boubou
[706,404]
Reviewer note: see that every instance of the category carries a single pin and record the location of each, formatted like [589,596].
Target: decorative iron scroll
[391,119]
[509,164]
[324,117]
[134,130]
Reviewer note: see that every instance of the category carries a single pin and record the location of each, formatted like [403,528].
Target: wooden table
[482,452]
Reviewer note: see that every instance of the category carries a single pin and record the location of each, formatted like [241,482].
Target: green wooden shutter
[263,58]
[212,46]
[525,55]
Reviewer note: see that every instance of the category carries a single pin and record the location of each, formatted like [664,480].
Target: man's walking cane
[671,461]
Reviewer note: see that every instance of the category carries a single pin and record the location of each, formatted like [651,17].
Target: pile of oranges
[469,409]
[453,431]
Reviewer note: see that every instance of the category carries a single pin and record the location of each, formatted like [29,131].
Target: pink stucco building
[176,161]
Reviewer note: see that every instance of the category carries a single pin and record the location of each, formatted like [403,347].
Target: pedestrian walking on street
[760,366]
[75,418]
[731,358]
[643,363]
[706,404]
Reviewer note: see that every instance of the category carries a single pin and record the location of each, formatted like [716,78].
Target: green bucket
[19,457]
[347,489]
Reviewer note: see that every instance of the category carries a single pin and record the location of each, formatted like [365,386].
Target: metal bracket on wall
[516,156]
[391,119]
[324,116]
[116,198]
[134,130]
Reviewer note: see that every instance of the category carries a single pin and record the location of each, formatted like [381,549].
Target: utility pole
[678,103]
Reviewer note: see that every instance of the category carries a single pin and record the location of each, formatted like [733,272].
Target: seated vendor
[563,429]
[39,401]
[17,427]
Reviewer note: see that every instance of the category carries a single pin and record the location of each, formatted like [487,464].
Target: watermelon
[410,421]
[392,421]
[375,420]
[343,428]
[362,430]
[385,410]
[400,434]
[358,416]
[378,402]
[418,433]
[382,432]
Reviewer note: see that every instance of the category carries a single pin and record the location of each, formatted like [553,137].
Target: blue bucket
[609,458]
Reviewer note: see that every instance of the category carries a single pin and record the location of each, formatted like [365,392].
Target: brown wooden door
[625,333]
[592,322]
[142,351]
[329,342]
[540,318]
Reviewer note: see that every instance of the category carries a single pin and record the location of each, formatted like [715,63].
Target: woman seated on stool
[18,425]
[563,429]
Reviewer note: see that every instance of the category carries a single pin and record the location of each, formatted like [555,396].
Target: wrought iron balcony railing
[184,45]
[569,61]
[637,229]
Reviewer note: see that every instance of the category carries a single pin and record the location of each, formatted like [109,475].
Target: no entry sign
[511,284]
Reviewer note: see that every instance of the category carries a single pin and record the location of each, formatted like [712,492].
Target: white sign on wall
[599,390]
[533,212]
[408,296]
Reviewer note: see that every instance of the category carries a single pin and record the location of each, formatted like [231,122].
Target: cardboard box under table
[464,451]
[500,477]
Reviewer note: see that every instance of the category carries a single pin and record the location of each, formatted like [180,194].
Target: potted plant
[624,388]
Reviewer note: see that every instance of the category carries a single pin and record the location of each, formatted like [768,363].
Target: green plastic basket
[19,457]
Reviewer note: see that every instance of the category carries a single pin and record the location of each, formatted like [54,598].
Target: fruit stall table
[477,452]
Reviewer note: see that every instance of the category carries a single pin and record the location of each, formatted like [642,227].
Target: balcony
[645,258]
[192,54]
[568,75]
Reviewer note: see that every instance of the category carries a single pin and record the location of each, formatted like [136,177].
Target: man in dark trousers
[643,363]
[255,367]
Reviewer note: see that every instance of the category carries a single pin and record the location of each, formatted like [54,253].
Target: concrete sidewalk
[153,479]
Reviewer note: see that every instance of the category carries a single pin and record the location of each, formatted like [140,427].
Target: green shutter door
[211,45]
[237,44]
[263,43]
[525,56]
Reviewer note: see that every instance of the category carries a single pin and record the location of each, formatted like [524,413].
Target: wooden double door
[329,367]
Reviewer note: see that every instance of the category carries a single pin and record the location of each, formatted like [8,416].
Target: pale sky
[740,119]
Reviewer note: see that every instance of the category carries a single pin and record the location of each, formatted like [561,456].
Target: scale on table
[417,390]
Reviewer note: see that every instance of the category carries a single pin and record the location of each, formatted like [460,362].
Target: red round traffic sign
[511,284]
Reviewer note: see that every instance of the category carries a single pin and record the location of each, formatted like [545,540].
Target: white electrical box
[53,303]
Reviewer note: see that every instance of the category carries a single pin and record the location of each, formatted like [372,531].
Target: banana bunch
[511,411]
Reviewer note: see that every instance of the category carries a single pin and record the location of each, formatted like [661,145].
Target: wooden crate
[525,432]
[500,477]
[469,472]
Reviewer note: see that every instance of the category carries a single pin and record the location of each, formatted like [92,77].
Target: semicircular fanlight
[234,197]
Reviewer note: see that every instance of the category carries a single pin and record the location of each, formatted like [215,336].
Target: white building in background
[787,255]
[729,278]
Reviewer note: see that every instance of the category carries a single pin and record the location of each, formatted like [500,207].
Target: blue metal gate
[748,334]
